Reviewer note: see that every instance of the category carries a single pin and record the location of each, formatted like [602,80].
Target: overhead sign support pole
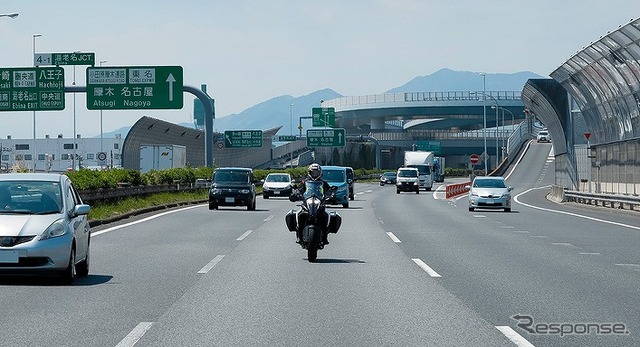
[208,117]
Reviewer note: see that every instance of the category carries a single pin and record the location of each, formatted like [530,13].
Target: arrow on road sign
[170,80]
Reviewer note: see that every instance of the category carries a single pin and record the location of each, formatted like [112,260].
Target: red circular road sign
[474,158]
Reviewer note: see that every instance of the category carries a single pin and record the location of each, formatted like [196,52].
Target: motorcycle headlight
[313,202]
[56,229]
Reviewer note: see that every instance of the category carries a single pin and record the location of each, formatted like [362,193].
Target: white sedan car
[44,228]
[277,184]
[489,192]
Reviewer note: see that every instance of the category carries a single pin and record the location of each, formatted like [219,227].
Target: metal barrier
[610,200]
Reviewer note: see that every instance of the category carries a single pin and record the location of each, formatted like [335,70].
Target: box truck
[423,161]
[161,157]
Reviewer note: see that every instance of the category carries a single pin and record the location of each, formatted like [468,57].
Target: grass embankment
[106,210]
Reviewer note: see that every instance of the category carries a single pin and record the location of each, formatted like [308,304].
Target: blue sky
[248,51]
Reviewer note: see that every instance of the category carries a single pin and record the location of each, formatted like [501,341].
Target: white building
[55,154]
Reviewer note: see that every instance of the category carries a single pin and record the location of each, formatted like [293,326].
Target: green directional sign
[32,89]
[430,146]
[134,87]
[242,138]
[323,117]
[284,138]
[75,58]
[326,137]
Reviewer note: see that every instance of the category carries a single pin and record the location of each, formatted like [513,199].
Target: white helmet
[315,171]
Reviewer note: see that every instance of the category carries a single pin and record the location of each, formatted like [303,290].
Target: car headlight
[56,229]
[244,191]
[215,191]
[506,196]
[473,193]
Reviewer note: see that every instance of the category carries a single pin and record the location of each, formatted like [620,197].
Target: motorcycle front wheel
[312,254]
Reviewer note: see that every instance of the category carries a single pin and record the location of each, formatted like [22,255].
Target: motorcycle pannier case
[290,219]
[334,222]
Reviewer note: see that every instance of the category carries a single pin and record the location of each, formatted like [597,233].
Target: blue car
[336,176]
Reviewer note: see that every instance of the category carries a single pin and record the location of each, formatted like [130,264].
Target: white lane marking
[211,264]
[360,193]
[516,199]
[368,191]
[514,337]
[479,216]
[135,335]
[142,220]
[393,237]
[243,236]
[268,218]
[426,267]
[564,244]
[538,236]
[521,231]
[441,189]
[589,253]
[507,227]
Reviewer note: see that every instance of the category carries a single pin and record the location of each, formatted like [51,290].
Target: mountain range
[277,111]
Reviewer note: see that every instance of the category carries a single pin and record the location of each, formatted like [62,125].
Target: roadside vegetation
[87,180]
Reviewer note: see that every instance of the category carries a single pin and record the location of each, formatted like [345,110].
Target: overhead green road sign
[32,89]
[242,138]
[326,137]
[323,117]
[76,58]
[134,87]
[433,146]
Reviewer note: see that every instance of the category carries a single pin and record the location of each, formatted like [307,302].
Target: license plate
[229,200]
[490,201]
[8,257]
[276,192]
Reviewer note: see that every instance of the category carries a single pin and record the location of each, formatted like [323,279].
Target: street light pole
[35,151]
[101,136]
[291,133]
[484,117]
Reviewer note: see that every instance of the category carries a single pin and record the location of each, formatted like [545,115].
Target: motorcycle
[312,220]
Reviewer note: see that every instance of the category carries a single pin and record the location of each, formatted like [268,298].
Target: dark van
[232,186]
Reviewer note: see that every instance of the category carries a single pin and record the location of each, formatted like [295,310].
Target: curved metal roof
[604,80]
[152,131]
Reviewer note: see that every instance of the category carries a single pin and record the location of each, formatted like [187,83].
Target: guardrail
[598,199]
[89,195]
[453,190]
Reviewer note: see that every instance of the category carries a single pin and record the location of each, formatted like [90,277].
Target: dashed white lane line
[135,335]
[268,218]
[426,267]
[589,253]
[243,236]
[514,337]
[479,216]
[393,237]
[211,264]
[563,244]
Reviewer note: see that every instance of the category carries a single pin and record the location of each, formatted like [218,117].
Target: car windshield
[313,188]
[30,197]
[407,173]
[389,174]
[277,178]
[489,183]
[333,175]
[231,176]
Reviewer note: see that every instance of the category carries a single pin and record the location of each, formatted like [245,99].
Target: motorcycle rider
[314,173]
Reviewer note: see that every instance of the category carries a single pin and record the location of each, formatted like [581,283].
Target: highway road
[404,270]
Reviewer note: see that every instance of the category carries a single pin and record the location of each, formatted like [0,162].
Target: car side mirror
[510,188]
[467,187]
